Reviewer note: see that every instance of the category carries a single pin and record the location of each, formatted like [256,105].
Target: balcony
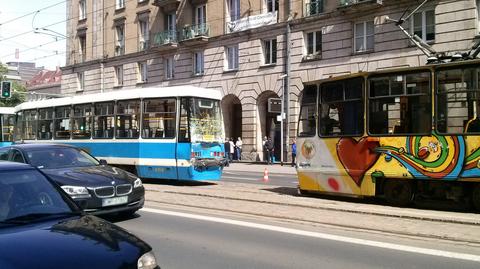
[195,34]
[143,45]
[313,8]
[167,5]
[165,40]
[358,5]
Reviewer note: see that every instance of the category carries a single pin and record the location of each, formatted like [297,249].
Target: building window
[313,43]
[82,47]
[478,16]
[119,39]
[201,15]
[198,63]
[234,9]
[120,4]
[143,35]
[142,72]
[231,54]
[270,51]
[364,36]
[423,25]
[272,5]
[80,81]
[82,9]
[171,28]
[118,75]
[314,7]
[169,68]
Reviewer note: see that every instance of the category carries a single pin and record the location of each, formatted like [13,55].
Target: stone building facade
[240,48]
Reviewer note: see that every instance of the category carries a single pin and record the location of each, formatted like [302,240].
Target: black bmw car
[41,227]
[95,186]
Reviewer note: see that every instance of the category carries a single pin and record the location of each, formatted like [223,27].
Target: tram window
[458,97]
[45,123]
[103,124]
[29,124]
[341,108]
[184,128]
[62,122]
[8,123]
[127,119]
[18,134]
[308,112]
[400,104]
[82,121]
[159,118]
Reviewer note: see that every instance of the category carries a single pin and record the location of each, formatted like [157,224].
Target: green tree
[19,91]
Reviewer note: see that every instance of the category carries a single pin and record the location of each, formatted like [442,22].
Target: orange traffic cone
[265,175]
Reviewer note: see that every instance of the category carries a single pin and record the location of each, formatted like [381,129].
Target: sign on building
[274,105]
[252,22]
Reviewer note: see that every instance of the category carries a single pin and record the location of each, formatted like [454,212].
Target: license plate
[115,201]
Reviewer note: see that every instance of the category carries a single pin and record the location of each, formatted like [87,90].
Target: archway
[232,116]
[269,126]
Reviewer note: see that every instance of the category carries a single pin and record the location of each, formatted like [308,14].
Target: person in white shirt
[232,148]
[238,147]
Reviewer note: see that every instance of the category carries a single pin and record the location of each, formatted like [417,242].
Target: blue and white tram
[7,123]
[168,133]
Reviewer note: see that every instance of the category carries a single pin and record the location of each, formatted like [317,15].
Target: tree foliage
[18,90]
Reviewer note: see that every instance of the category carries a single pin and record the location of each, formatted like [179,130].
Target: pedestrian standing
[270,149]
[265,154]
[238,146]
[227,152]
[294,152]
[232,148]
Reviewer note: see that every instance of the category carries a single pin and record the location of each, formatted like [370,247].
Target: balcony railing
[353,2]
[166,37]
[194,31]
[314,7]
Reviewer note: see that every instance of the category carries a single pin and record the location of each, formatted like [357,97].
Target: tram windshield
[205,120]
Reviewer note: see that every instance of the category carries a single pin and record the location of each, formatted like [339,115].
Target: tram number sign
[274,105]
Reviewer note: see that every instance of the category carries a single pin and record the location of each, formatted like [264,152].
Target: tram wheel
[476,197]
[398,192]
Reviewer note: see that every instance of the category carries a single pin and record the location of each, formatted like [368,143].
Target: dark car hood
[90,176]
[78,242]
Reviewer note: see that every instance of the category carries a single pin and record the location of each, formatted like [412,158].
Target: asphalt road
[183,241]
[277,179]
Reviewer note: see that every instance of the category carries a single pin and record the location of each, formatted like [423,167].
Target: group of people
[233,150]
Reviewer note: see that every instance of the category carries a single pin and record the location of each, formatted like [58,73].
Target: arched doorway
[269,126]
[232,116]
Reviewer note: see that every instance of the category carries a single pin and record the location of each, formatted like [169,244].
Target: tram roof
[7,110]
[137,93]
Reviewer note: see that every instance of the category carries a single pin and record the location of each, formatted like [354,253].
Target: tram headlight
[147,261]
[76,192]
[138,183]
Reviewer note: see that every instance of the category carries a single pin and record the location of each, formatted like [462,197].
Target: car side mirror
[102,162]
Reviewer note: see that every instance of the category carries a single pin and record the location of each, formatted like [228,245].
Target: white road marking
[364,242]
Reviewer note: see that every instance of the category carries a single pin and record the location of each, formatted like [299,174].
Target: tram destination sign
[274,105]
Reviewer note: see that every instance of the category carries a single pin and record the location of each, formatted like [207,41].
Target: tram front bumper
[204,164]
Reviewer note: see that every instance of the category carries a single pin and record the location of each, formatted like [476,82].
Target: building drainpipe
[102,64]
[286,88]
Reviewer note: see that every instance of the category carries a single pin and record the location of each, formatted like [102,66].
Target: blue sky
[45,49]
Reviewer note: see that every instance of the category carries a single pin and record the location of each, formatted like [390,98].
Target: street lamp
[282,77]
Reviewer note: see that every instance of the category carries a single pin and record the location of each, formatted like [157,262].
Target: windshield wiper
[38,216]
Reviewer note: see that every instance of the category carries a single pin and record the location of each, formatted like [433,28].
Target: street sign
[274,105]
[6,89]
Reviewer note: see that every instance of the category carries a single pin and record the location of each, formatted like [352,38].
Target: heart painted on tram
[357,156]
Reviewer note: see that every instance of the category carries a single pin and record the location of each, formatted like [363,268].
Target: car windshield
[60,157]
[26,195]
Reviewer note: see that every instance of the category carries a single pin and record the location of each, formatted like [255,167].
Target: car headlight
[137,183]
[147,261]
[76,192]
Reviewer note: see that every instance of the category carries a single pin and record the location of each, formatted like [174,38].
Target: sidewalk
[260,167]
